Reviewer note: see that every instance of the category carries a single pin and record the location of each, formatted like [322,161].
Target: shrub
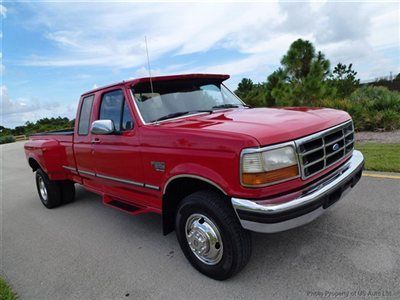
[7,139]
[372,108]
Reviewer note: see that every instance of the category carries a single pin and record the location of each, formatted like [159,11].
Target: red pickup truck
[187,148]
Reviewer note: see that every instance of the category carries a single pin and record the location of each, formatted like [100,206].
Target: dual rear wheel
[54,193]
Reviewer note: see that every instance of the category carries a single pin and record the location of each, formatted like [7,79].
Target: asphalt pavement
[85,250]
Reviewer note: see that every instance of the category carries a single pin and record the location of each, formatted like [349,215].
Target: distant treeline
[45,124]
[392,84]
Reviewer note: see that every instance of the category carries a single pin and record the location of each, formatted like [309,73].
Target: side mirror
[102,127]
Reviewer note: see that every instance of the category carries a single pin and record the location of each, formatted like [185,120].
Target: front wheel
[211,236]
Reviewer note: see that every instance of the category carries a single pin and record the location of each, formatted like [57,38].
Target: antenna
[148,64]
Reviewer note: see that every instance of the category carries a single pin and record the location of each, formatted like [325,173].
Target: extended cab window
[84,116]
[114,107]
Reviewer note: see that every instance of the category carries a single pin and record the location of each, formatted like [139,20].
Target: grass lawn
[5,291]
[380,157]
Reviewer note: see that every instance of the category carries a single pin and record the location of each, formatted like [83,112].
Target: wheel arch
[34,164]
[177,188]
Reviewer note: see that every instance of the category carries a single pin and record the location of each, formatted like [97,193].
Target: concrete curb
[386,175]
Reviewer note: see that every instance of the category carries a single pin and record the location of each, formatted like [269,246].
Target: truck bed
[68,131]
[52,150]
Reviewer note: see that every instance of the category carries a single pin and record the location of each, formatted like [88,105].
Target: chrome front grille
[319,151]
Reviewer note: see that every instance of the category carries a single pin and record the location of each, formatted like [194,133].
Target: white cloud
[3,11]
[9,106]
[17,112]
[385,29]
[113,35]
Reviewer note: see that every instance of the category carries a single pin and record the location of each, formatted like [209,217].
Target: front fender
[192,170]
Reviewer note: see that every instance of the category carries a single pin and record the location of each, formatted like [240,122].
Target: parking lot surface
[86,250]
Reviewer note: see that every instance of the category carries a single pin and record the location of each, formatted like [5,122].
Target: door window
[84,116]
[114,107]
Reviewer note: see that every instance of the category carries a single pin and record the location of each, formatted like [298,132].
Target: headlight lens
[267,167]
[252,163]
[279,158]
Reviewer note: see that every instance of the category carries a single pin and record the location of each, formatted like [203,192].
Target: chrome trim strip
[311,151]
[135,183]
[153,187]
[192,176]
[313,163]
[87,172]
[126,181]
[340,177]
[336,152]
[236,96]
[324,147]
[136,107]
[70,169]
[335,141]
[323,133]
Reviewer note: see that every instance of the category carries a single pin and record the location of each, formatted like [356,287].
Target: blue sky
[54,51]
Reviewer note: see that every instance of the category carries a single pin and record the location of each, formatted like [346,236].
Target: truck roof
[135,81]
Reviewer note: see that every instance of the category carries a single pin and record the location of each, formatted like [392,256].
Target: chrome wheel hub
[204,239]
[42,189]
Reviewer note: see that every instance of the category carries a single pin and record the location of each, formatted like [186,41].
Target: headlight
[269,166]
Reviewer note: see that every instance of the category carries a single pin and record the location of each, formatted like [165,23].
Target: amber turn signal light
[270,176]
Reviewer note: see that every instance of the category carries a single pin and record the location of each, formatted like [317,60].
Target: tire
[67,191]
[50,195]
[208,212]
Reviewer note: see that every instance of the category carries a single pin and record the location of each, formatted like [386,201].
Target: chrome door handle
[96,141]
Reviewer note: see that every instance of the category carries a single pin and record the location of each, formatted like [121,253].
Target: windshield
[177,98]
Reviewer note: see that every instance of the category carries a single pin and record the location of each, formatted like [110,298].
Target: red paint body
[206,146]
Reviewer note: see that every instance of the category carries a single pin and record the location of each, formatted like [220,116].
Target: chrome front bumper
[299,207]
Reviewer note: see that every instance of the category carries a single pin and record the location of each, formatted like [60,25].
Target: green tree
[244,87]
[273,80]
[343,80]
[302,79]
[256,97]
[45,124]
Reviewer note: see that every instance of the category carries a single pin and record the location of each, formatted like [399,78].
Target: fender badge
[159,166]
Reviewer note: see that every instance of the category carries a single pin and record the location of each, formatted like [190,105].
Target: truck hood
[266,125]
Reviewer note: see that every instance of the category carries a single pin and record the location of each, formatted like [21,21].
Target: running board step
[123,206]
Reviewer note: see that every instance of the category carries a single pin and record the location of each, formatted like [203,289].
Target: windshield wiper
[181,113]
[228,105]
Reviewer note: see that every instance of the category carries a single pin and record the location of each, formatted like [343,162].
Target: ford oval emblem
[335,147]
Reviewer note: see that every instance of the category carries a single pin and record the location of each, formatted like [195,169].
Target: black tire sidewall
[67,191]
[54,197]
[40,175]
[222,269]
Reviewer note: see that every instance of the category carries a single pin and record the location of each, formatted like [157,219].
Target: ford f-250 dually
[189,149]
